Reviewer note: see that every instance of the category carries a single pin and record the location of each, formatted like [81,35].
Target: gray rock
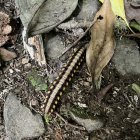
[88,9]
[127,57]
[54,46]
[2,132]
[89,124]
[19,121]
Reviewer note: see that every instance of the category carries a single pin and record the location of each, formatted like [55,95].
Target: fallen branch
[73,24]
[67,123]
[76,42]
[102,93]
[134,35]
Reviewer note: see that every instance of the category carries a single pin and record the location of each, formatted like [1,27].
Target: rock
[54,47]
[28,65]
[11,71]
[88,9]
[5,28]
[24,61]
[19,121]
[2,134]
[7,55]
[127,57]
[89,123]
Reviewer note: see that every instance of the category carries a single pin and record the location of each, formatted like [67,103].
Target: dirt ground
[119,107]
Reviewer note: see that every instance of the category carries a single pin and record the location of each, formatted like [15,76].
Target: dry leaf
[101,94]
[118,9]
[40,16]
[6,55]
[58,134]
[102,43]
[132,10]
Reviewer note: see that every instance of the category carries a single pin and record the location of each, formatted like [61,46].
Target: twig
[73,24]
[102,93]
[67,123]
[51,68]
[134,35]
[125,95]
[78,39]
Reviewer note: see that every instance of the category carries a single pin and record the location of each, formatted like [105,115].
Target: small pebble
[27,65]
[25,61]
[11,71]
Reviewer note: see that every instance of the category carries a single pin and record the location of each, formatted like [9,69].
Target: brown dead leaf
[7,55]
[132,10]
[102,43]
[101,94]
[58,134]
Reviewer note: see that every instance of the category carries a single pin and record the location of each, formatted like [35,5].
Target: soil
[119,107]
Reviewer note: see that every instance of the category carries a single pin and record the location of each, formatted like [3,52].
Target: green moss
[47,119]
[120,27]
[120,24]
[82,113]
[37,81]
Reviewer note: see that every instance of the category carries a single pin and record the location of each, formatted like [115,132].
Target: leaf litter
[114,107]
